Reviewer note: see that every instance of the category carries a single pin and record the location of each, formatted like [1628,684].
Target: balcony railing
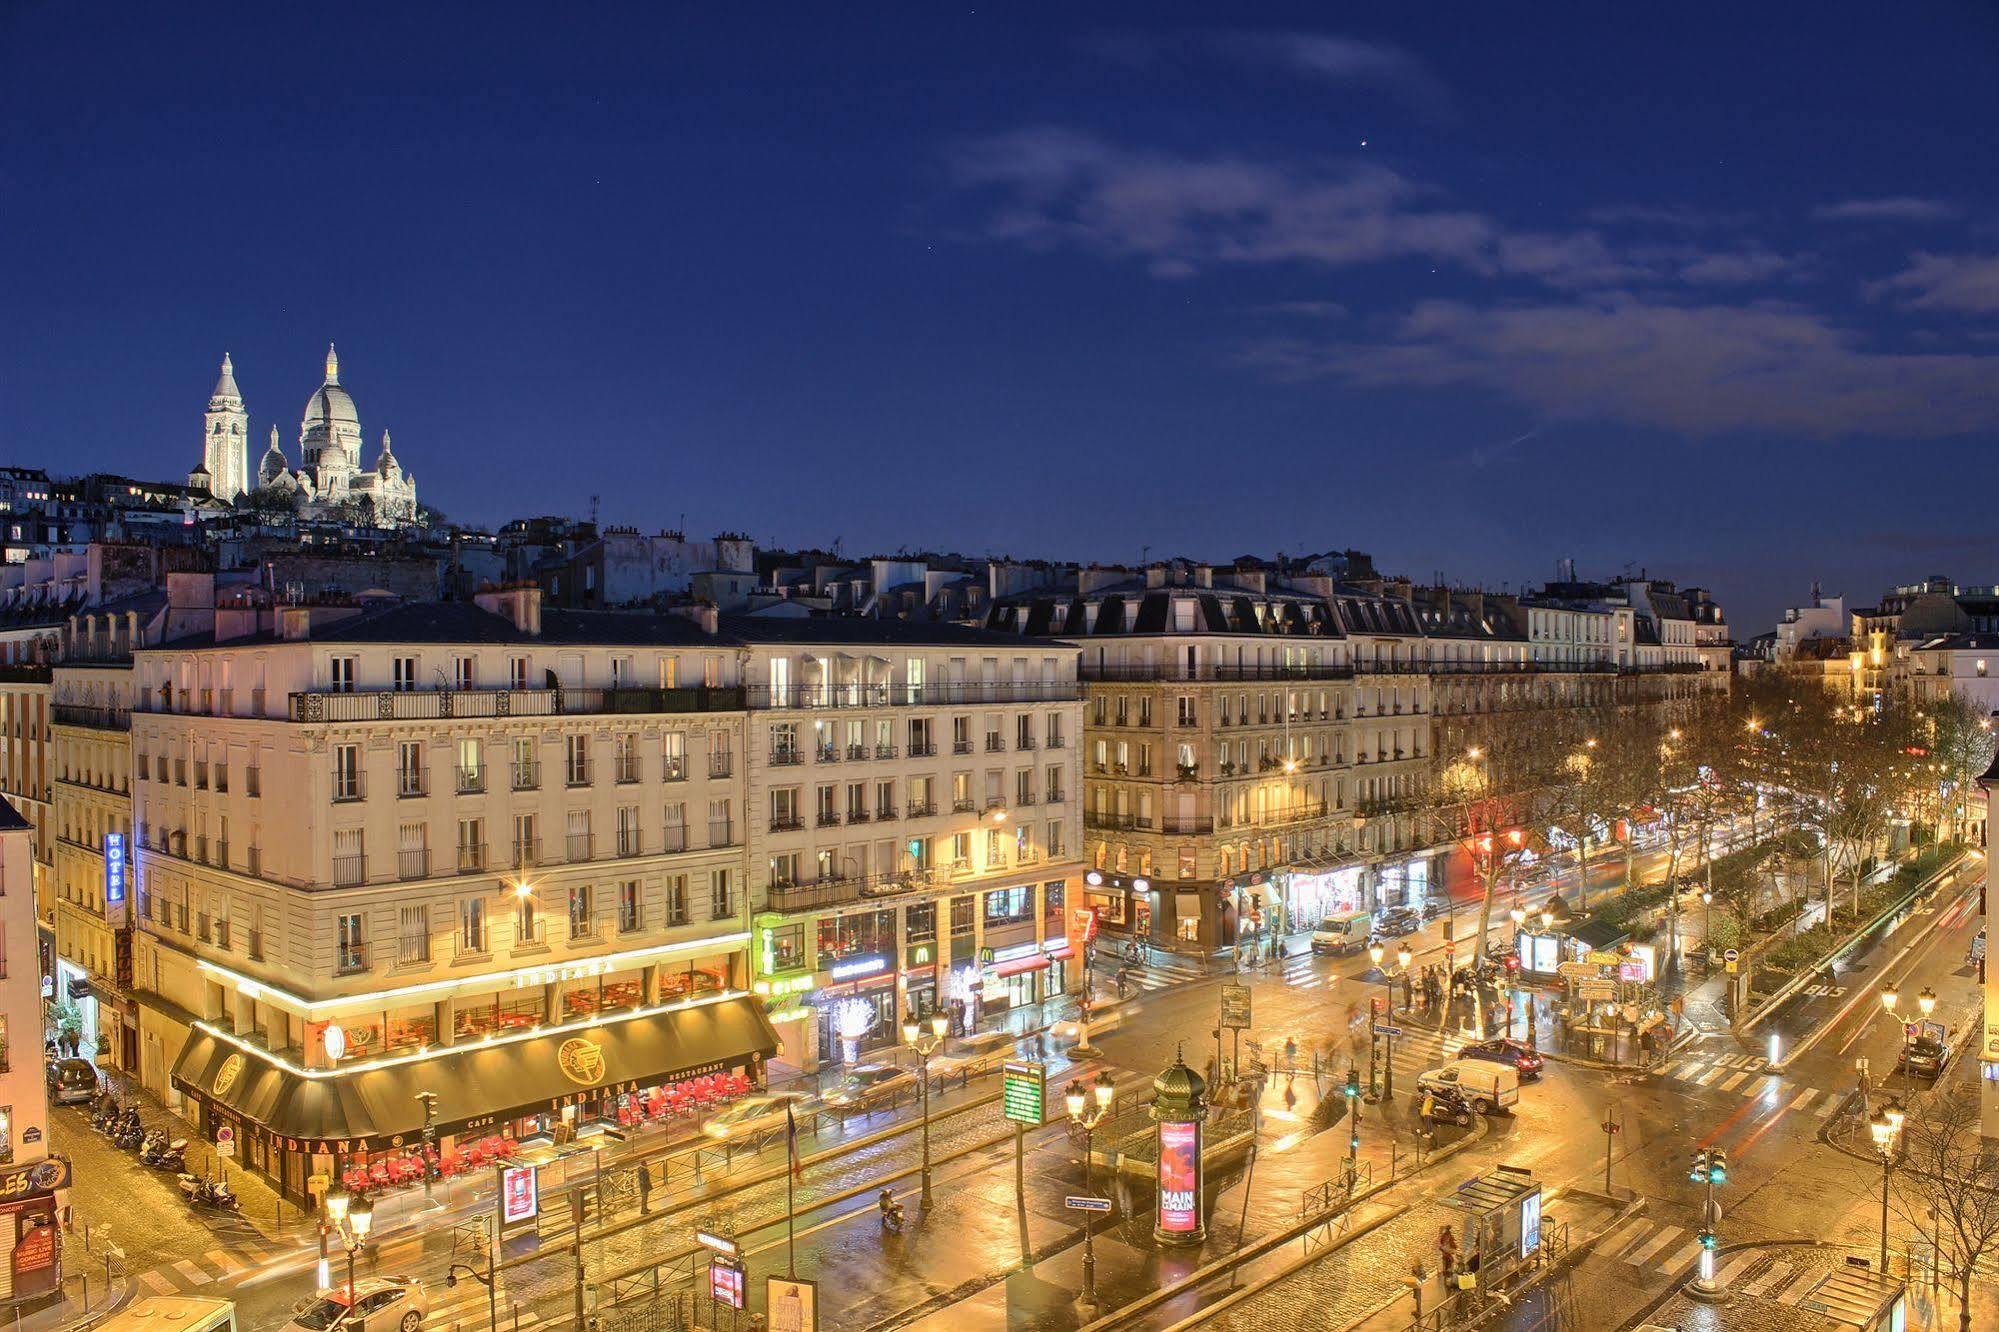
[922,810]
[786,822]
[579,847]
[907,695]
[625,769]
[961,746]
[527,776]
[434,704]
[1225,674]
[721,833]
[108,719]
[471,781]
[1119,822]
[675,838]
[348,786]
[471,859]
[526,852]
[720,765]
[348,871]
[839,892]
[1188,826]
[785,758]
[413,864]
[995,745]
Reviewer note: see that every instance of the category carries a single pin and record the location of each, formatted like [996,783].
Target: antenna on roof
[593,510]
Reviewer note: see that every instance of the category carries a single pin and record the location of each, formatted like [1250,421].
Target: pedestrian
[1408,989]
[1447,1250]
[1417,1276]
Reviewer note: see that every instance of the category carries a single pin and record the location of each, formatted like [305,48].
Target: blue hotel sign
[114,869]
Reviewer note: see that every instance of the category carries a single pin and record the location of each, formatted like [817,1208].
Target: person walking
[1447,1251]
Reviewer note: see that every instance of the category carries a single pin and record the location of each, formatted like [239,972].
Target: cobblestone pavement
[1350,1281]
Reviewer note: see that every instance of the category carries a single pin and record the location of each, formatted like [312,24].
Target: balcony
[1024,743]
[827,819]
[720,765]
[414,864]
[471,859]
[471,781]
[1223,674]
[857,816]
[103,719]
[1116,822]
[995,745]
[791,897]
[1056,796]
[526,853]
[1191,826]
[924,750]
[965,806]
[438,704]
[527,776]
[857,752]
[786,822]
[826,754]
[721,833]
[348,786]
[922,810]
[885,814]
[350,871]
[785,758]
[940,694]
[961,746]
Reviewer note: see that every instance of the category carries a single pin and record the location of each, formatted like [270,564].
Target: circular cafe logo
[225,1077]
[582,1061]
[47,1174]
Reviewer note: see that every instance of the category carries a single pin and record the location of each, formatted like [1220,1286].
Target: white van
[1341,935]
[1488,1086]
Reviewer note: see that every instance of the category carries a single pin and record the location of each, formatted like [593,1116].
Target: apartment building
[33,1185]
[1244,739]
[914,824]
[91,815]
[25,783]
[480,850]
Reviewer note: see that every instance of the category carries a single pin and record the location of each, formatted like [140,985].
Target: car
[870,1085]
[71,1081]
[1395,922]
[1341,935]
[754,1115]
[974,1056]
[380,1304]
[1925,1057]
[1517,1055]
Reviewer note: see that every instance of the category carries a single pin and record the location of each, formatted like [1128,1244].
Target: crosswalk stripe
[1802,1097]
[1829,1103]
[1707,1079]
[1735,1267]
[159,1284]
[1792,1289]
[1778,1272]
[226,1263]
[1729,1083]
[1666,1235]
[191,1270]
[1623,1236]
[1683,1256]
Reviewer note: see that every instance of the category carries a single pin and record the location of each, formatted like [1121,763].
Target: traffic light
[1710,1241]
[1697,1172]
[1717,1167]
[1353,1083]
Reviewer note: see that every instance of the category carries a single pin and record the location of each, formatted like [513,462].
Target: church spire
[225,387]
[332,365]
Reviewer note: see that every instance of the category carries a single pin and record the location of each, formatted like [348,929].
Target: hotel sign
[114,869]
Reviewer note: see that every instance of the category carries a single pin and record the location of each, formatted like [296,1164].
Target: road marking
[1802,1097]
[159,1284]
[1683,1257]
[1735,1267]
[1624,1236]
[1707,1078]
[1661,1240]
[226,1263]
[188,1268]
[1730,1082]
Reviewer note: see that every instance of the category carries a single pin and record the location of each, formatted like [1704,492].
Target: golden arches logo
[582,1061]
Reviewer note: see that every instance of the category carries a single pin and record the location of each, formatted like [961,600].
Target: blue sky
[1707,290]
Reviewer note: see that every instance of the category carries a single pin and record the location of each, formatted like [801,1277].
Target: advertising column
[1180,1109]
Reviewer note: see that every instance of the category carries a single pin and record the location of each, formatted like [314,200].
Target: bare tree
[1949,1188]
[1470,803]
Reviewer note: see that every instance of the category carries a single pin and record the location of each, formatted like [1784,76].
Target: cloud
[1898,208]
[1058,187]
[1703,370]
[1751,265]
[1344,60]
[1962,282]
[1568,259]
[1673,218]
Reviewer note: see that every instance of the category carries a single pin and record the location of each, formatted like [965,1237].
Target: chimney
[520,603]
[702,613]
[1155,575]
[1204,575]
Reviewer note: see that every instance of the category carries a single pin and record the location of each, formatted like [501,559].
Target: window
[676,899]
[409,768]
[412,935]
[582,911]
[471,845]
[720,758]
[465,673]
[630,914]
[517,673]
[346,772]
[405,674]
[527,922]
[350,864]
[628,830]
[471,766]
[626,758]
[527,765]
[1056,845]
[472,925]
[1006,906]
[577,766]
[721,903]
[341,677]
[673,749]
[1186,715]
[350,950]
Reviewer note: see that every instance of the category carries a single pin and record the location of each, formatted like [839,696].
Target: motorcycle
[152,1145]
[107,1114]
[164,1155]
[1441,1106]
[131,1132]
[201,1192]
[891,1211]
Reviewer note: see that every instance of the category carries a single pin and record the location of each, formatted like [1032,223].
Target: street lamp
[1089,1107]
[1890,997]
[352,1218]
[1886,1126]
[1927,1001]
[925,1046]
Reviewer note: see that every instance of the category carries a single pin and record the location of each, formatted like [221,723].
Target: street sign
[225,1140]
[1731,955]
[1732,967]
[1578,970]
[1235,1008]
[1388,1031]
[721,1244]
[1075,1204]
[1024,1092]
[1604,959]
[1591,990]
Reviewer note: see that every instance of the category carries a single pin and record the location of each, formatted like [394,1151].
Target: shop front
[1406,884]
[492,1097]
[30,1257]
[858,1008]
[1014,975]
[1315,896]
[1125,907]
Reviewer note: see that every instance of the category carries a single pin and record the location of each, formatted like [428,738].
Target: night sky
[1707,290]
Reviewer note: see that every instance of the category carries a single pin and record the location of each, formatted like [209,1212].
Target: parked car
[1394,922]
[1341,935]
[386,1304]
[754,1115]
[1925,1057]
[974,1056]
[870,1085]
[71,1081]
[1516,1055]
[1488,1086]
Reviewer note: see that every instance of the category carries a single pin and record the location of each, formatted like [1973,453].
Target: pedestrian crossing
[1160,974]
[216,1265]
[1669,1249]
[1743,1074]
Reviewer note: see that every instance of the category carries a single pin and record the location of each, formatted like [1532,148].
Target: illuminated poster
[1530,1224]
[518,1197]
[725,1282]
[1179,1177]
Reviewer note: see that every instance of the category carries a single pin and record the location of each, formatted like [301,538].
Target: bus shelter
[1502,1222]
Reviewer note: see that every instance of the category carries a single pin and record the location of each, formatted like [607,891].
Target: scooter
[132,1133]
[201,1192]
[164,1155]
[152,1145]
[891,1211]
[1446,1107]
[107,1113]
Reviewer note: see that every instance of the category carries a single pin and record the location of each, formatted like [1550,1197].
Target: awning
[1020,966]
[477,1085]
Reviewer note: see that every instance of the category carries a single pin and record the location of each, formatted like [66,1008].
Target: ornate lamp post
[352,1219]
[1886,1126]
[1089,1107]
[925,1046]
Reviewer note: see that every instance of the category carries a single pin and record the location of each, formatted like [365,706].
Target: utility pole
[576,1206]
[1610,1130]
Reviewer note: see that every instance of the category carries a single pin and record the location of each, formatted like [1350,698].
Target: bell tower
[225,437]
